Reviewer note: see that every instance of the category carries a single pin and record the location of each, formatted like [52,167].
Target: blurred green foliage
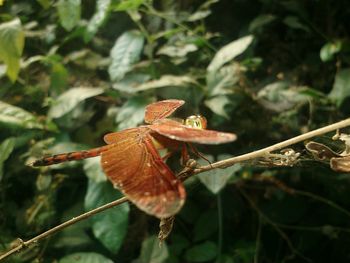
[72,71]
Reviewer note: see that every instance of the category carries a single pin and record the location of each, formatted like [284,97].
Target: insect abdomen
[72,156]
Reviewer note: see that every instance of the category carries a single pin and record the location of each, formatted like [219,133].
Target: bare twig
[278,230]
[24,244]
[220,164]
[277,146]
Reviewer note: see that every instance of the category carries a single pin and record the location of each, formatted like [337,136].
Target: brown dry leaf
[320,151]
[165,227]
[341,164]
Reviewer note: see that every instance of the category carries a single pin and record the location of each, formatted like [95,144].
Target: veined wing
[177,131]
[134,166]
[161,109]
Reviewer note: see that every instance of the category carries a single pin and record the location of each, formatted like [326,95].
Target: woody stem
[277,146]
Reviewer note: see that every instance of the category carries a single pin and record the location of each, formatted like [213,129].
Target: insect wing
[177,131]
[161,109]
[135,168]
[124,136]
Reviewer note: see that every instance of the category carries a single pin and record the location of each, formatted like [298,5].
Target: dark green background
[290,74]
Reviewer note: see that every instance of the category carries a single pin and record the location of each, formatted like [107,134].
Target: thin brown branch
[190,172]
[275,147]
[278,230]
[24,244]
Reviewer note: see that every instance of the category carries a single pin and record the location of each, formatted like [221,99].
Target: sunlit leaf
[203,252]
[6,148]
[102,10]
[13,116]
[70,99]
[126,5]
[216,179]
[177,50]
[11,46]
[217,105]
[341,87]
[125,52]
[203,11]
[229,52]
[223,81]
[330,49]
[131,82]
[281,96]
[135,83]
[93,169]
[69,13]
[3,69]
[110,226]
[85,257]
[132,113]
[151,252]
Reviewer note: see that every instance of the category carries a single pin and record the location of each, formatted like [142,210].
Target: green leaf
[164,81]
[217,105]
[281,96]
[125,52]
[11,46]
[132,113]
[178,244]
[59,77]
[76,235]
[44,3]
[294,22]
[341,87]
[110,226]
[70,99]
[177,51]
[206,251]
[93,169]
[229,52]
[260,21]
[102,10]
[206,225]
[216,179]
[127,5]
[329,50]
[131,81]
[203,11]
[13,116]
[85,257]
[151,252]
[223,81]
[6,148]
[69,13]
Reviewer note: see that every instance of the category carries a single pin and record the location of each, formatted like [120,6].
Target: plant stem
[24,244]
[220,225]
[277,146]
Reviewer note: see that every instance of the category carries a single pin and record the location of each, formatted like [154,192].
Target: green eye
[196,121]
